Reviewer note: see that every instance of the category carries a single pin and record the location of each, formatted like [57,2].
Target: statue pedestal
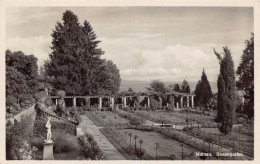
[47,151]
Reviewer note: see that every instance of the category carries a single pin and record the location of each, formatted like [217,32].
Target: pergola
[147,95]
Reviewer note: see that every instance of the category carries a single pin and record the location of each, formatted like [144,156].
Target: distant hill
[140,86]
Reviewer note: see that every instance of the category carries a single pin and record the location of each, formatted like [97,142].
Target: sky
[146,43]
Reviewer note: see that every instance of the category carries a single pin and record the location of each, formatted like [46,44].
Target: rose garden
[72,109]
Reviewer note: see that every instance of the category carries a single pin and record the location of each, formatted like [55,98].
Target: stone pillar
[181,103]
[124,101]
[148,101]
[47,151]
[100,103]
[112,102]
[192,101]
[188,99]
[56,101]
[177,105]
[86,101]
[74,101]
[171,101]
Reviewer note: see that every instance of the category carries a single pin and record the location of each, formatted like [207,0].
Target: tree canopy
[185,88]
[21,75]
[226,91]
[157,86]
[75,62]
[245,72]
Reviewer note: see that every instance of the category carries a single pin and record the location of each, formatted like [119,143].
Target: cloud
[173,63]
[148,59]
[144,35]
[16,16]
[37,46]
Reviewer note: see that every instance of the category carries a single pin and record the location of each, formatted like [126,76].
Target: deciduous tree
[185,88]
[245,72]
[21,76]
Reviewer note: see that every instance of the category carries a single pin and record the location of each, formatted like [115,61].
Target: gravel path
[111,153]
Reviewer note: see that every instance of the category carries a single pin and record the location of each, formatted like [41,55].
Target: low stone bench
[165,125]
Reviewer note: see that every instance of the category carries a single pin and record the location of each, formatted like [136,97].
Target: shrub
[61,93]
[17,107]
[39,127]
[154,104]
[48,101]
[10,100]
[74,113]
[90,147]
[37,142]
[40,95]
[62,142]
[18,140]
[26,100]
[133,120]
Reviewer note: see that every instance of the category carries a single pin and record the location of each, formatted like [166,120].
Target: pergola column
[181,105]
[112,102]
[56,101]
[124,101]
[100,103]
[172,101]
[74,101]
[148,101]
[188,99]
[177,105]
[192,101]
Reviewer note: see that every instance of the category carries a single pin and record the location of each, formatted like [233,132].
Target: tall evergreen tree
[203,91]
[185,88]
[75,61]
[176,87]
[66,54]
[245,72]
[226,91]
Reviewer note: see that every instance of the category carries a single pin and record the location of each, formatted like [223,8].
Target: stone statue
[48,129]
[61,107]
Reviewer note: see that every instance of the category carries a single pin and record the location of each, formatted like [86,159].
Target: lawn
[174,117]
[103,118]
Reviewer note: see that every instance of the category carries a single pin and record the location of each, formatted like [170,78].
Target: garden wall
[28,112]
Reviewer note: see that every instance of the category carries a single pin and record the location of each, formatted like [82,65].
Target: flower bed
[120,139]
[232,140]
[90,148]
[187,140]
[132,118]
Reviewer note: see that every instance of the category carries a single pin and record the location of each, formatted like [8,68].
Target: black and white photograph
[129,83]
